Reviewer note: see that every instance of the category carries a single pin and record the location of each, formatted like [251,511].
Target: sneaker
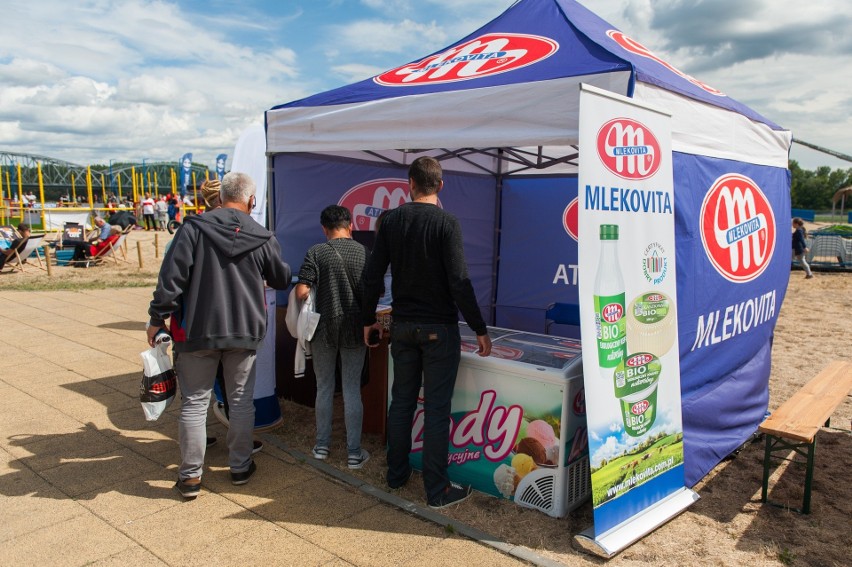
[257,447]
[809,276]
[401,484]
[238,478]
[320,453]
[188,489]
[359,460]
[453,494]
[211,441]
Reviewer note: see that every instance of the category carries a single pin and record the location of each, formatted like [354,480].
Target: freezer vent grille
[538,493]
[579,480]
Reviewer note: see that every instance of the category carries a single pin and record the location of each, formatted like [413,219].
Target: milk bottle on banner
[610,323]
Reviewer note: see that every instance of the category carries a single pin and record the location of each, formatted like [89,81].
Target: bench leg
[809,477]
[766,456]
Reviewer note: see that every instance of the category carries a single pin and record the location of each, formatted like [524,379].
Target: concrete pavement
[84,479]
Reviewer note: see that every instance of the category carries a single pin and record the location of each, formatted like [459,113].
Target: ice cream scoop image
[542,432]
[553,455]
[504,480]
[522,430]
[523,464]
[534,449]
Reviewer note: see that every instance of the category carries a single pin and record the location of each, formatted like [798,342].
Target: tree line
[813,189]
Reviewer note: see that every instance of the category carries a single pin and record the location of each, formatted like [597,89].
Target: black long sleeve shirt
[430,284]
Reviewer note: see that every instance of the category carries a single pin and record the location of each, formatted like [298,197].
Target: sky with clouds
[96,80]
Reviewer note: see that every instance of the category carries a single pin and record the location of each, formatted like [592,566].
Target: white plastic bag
[159,383]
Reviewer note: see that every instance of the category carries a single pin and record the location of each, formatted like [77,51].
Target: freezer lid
[526,348]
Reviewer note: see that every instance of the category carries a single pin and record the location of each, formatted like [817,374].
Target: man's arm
[174,276]
[275,271]
[373,281]
[460,286]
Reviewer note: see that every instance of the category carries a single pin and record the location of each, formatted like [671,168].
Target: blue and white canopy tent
[500,109]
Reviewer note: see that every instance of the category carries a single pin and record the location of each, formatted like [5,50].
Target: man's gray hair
[237,187]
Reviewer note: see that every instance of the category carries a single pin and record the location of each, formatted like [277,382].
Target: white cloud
[29,72]
[378,36]
[353,72]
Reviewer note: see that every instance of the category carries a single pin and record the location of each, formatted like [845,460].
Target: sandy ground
[727,526]
[111,272]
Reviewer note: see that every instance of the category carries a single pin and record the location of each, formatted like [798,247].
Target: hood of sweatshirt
[233,232]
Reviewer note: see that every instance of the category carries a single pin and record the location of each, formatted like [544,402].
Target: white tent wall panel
[705,130]
[526,114]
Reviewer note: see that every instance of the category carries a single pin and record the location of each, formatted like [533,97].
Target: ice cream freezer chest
[518,426]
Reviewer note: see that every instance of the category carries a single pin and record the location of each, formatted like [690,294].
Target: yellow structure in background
[41,193]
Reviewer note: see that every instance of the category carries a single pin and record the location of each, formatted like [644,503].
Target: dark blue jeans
[426,354]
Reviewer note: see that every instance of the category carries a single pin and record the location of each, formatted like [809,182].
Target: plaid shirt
[337,303]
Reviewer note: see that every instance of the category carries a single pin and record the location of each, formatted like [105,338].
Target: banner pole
[41,197]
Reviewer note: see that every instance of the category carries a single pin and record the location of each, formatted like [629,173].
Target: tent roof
[515,82]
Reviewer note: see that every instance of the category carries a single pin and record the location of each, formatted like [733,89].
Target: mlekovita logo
[488,54]
[612,312]
[368,200]
[633,46]
[628,149]
[570,219]
[737,228]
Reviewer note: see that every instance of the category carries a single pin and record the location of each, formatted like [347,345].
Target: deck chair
[26,249]
[119,248]
[106,252]
[561,314]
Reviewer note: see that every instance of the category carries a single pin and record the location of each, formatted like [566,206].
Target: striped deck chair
[26,248]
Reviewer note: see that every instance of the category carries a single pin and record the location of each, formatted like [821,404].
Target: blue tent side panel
[725,366]
[305,184]
[538,255]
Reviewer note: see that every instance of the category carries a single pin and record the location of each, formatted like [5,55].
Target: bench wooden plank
[801,417]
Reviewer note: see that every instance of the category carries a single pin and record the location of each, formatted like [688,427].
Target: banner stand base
[637,527]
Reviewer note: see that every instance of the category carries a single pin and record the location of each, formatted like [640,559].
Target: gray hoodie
[212,280]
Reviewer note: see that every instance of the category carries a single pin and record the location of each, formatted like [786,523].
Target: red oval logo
[580,402]
[612,313]
[628,149]
[571,220]
[639,360]
[633,46]
[488,54]
[640,407]
[737,228]
[654,297]
[369,199]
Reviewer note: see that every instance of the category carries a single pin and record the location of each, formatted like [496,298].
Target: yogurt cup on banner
[636,373]
[639,411]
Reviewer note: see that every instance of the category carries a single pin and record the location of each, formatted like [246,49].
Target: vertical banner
[628,309]
[185,173]
[220,165]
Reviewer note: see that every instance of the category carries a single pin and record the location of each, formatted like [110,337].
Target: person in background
[148,212]
[800,245]
[213,274]
[16,244]
[161,208]
[335,269]
[423,246]
[87,250]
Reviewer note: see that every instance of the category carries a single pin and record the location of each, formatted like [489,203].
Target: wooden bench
[794,425]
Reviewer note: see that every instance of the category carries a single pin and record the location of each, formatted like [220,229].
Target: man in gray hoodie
[212,276]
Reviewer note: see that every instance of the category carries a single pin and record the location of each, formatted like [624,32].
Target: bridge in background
[19,174]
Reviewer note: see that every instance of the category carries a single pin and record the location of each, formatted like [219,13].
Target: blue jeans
[426,354]
[325,363]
